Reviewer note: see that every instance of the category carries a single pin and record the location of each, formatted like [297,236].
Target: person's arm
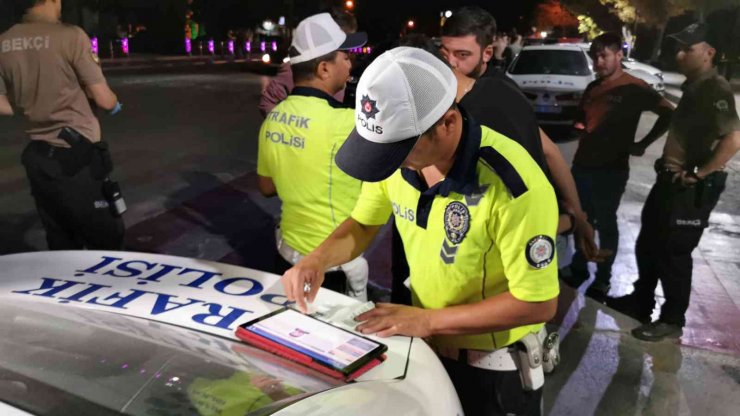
[103,96]
[276,91]
[725,120]
[5,108]
[497,313]
[664,111]
[348,241]
[726,149]
[266,186]
[561,175]
[88,72]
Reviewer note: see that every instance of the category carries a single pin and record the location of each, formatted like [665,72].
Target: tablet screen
[324,343]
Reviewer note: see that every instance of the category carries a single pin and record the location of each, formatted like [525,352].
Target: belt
[501,359]
[292,255]
[44,148]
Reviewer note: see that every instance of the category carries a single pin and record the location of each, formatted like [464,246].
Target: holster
[85,153]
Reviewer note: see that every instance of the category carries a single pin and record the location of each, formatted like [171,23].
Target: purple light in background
[211,47]
[94,45]
[262,46]
[248,47]
[188,46]
[274,46]
[231,47]
[369,50]
[124,46]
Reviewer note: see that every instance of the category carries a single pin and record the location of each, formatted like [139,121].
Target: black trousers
[71,205]
[669,233]
[487,392]
[600,192]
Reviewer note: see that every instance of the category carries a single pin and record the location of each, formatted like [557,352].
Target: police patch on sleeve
[457,222]
[722,105]
[540,251]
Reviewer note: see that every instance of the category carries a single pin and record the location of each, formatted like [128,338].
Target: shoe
[657,331]
[628,306]
[599,294]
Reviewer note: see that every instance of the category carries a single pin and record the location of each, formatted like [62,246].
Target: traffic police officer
[477,217]
[47,72]
[297,144]
[704,135]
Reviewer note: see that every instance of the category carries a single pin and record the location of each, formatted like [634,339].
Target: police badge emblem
[369,107]
[457,222]
[540,251]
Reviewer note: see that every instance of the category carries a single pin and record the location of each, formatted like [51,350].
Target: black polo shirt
[498,104]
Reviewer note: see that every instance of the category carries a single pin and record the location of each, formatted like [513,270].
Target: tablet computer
[314,343]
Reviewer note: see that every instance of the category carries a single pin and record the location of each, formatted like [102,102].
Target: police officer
[704,135]
[297,144]
[47,73]
[282,84]
[477,217]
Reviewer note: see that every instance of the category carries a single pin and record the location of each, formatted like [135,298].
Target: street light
[410,24]
[349,4]
[448,14]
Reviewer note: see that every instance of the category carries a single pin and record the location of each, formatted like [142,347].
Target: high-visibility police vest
[487,228]
[297,144]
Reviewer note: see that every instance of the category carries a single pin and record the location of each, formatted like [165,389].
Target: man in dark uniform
[48,72]
[704,135]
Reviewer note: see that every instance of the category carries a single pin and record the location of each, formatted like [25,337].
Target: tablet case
[285,352]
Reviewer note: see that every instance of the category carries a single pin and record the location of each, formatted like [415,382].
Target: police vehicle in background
[554,77]
[110,333]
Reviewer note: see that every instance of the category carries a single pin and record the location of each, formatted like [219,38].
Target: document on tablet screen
[325,343]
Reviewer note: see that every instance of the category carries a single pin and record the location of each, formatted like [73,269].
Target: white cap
[399,97]
[319,35]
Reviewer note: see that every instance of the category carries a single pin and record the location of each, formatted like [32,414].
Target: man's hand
[584,237]
[303,281]
[636,149]
[686,178]
[388,319]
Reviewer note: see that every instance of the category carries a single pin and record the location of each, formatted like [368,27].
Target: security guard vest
[297,144]
[487,228]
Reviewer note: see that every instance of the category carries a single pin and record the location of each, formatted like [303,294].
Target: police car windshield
[550,62]
[67,360]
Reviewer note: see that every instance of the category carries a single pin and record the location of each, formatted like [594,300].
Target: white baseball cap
[403,93]
[319,35]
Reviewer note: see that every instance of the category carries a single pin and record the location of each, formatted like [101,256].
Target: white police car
[99,333]
[554,78]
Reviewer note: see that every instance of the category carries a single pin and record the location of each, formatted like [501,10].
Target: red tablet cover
[285,352]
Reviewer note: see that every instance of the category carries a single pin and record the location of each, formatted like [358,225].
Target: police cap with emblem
[403,93]
[319,35]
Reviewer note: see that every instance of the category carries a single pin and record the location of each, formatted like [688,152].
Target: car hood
[201,295]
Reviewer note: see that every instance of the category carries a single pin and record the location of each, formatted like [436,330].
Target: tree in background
[551,15]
